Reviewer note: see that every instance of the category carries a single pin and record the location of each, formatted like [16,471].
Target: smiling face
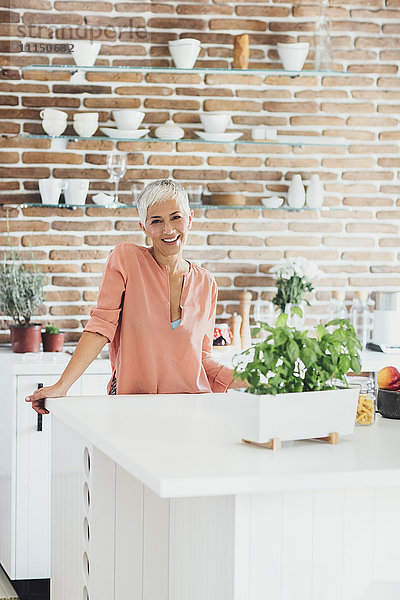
[167,225]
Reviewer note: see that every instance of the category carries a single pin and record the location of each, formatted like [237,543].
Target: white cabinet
[25,458]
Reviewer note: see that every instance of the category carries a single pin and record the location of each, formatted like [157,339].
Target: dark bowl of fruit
[388,404]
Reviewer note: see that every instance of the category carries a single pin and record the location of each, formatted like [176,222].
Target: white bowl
[293,56]
[54,126]
[215,122]
[272,201]
[103,199]
[85,52]
[85,128]
[184,55]
[127,118]
[184,41]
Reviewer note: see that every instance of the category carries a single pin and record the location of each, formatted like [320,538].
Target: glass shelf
[282,140]
[266,71]
[194,206]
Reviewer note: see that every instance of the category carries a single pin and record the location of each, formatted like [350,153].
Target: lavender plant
[21,290]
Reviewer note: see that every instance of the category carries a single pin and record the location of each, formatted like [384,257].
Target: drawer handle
[39,417]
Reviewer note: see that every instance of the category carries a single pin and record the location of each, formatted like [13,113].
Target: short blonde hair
[160,191]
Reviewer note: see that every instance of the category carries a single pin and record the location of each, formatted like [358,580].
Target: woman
[155,309]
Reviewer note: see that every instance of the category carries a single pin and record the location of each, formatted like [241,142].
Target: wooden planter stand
[276,444]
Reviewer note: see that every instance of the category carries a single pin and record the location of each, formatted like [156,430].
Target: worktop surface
[189,445]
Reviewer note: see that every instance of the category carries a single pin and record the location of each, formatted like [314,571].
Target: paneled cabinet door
[33,476]
[94,384]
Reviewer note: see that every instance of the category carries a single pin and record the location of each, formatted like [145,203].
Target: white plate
[124,134]
[219,137]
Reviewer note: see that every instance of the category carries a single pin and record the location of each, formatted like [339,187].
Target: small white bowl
[272,201]
[103,199]
[184,55]
[127,118]
[215,122]
[293,56]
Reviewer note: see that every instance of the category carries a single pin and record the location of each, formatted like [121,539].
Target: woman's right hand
[38,397]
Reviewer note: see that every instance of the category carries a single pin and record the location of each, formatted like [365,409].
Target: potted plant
[294,278]
[53,339]
[297,382]
[21,293]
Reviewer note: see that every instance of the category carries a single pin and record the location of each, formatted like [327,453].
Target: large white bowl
[215,122]
[293,56]
[85,52]
[127,118]
[184,55]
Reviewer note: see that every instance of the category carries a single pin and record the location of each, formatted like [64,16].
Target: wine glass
[116,167]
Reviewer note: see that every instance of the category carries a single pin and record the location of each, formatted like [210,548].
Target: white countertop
[188,445]
[39,363]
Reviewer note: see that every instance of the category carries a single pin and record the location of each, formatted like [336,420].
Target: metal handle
[39,417]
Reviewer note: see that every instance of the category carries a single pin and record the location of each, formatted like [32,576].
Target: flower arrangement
[294,280]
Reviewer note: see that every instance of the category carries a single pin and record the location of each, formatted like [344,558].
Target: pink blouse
[133,312]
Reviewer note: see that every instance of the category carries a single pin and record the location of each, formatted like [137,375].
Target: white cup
[127,118]
[53,113]
[85,52]
[85,124]
[75,191]
[293,56]
[215,122]
[54,127]
[50,190]
[185,54]
[87,117]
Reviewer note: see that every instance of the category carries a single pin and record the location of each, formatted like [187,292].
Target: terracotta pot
[53,342]
[25,339]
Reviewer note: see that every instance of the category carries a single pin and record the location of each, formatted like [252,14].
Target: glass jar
[366,400]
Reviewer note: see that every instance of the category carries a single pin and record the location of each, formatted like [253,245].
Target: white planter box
[296,416]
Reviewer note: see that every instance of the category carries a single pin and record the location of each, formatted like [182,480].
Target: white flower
[287,268]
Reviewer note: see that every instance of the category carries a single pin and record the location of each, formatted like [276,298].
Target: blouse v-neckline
[182,297]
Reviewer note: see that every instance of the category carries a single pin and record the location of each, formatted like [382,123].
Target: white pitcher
[75,191]
[50,190]
[315,192]
[296,194]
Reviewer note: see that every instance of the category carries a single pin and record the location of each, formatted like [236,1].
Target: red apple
[389,378]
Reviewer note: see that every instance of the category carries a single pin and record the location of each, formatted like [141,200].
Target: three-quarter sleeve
[104,317]
[219,376]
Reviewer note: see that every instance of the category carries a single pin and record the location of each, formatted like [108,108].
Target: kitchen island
[154,497]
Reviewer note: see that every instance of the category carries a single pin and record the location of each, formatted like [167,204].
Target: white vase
[296,194]
[315,192]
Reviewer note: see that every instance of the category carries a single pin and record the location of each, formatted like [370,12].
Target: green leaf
[297,311]
[344,363]
[355,364]
[321,331]
[293,351]
[281,320]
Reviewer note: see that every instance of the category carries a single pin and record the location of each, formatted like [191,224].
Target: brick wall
[356,246]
